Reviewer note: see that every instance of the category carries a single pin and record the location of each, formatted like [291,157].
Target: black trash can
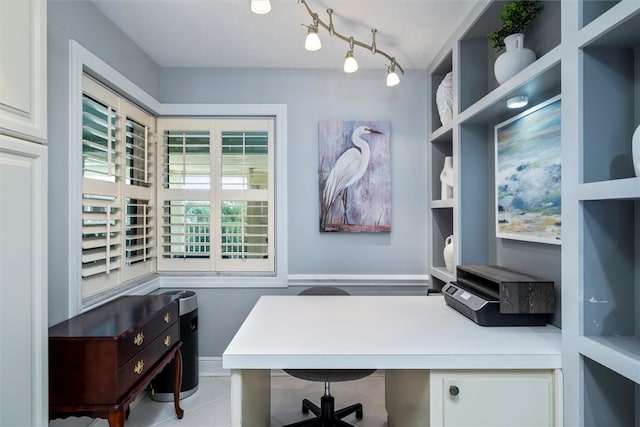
[162,384]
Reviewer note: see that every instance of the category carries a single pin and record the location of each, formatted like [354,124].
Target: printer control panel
[463,296]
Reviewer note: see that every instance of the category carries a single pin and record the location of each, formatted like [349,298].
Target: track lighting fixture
[312,42]
[260,7]
[350,63]
[392,77]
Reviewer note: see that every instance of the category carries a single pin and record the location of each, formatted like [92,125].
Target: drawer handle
[454,390]
[167,318]
[167,341]
[139,339]
[139,367]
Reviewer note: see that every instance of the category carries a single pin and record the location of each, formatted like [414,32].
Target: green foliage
[516,17]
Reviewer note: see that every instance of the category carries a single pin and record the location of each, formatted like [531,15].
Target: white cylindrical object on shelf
[515,59]
[444,99]
[446,179]
[448,253]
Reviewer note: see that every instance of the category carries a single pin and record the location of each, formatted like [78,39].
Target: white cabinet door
[23,68]
[23,283]
[492,398]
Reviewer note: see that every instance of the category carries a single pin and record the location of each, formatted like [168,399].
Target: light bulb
[260,7]
[350,63]
[392,78]
[517,101]
[312,42]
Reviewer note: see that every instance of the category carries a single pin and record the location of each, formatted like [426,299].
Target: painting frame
[354,176]
[528,175]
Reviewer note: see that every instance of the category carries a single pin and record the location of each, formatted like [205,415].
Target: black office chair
[326,415]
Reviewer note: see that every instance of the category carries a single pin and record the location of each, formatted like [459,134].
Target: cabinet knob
[167,318]
[139,339]
[454,390]
[167,341]
[139,367]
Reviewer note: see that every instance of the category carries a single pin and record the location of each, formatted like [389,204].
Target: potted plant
[516,16]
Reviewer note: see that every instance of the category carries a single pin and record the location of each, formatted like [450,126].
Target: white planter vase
[448,253]
[444,99]
[446,179]
[514,59]
[635,151]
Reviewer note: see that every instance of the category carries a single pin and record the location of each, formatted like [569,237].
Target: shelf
[442,204]
[443,133]
[628,188]
[539,81]
[442,274]
[609,398]
[617,26]
[441,228]
[477,57]
[620,354]
[591,10]
[610,111]
[611,280]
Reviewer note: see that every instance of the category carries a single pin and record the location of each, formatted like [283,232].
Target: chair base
[326,415]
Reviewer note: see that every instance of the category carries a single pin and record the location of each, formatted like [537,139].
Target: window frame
[84,61]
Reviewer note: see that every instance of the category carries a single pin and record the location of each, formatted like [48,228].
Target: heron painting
[354,176]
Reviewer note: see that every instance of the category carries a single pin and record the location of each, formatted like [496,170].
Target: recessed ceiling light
[517,101]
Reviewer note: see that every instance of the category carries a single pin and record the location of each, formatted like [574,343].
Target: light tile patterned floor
[209,405]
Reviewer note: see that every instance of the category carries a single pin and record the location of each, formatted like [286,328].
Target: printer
[496,296]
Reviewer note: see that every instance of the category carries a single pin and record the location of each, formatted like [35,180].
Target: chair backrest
[324,290]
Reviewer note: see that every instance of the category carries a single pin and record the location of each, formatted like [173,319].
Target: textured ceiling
[225,34]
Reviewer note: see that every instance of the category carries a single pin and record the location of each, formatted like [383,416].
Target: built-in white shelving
[589,53]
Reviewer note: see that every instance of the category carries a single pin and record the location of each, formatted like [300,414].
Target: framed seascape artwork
[528,173]
[354,176]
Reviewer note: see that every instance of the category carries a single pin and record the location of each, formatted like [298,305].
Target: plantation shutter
[139,194]
[246,195]
[118,225]
[101,204]
[216,195]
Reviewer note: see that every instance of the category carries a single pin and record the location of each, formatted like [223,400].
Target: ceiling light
[518,101]
[392,77]
[312,42]
[260,7]
[350,63]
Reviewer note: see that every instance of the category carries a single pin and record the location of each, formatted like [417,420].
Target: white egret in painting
[346,171]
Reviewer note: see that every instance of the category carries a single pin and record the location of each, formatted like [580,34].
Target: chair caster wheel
[305,410]
[359,414]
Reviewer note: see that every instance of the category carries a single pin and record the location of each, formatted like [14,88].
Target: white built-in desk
[406,336]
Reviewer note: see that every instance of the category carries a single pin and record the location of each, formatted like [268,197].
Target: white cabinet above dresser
[23,69]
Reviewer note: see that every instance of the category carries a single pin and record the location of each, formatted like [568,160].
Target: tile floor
[209,405]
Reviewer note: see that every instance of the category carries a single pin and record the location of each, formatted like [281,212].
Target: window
[118,225]
[216,195]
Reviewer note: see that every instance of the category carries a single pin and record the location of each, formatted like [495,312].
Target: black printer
[496,296]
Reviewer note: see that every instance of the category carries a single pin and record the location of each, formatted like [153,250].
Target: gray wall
[311,96]
[81,21]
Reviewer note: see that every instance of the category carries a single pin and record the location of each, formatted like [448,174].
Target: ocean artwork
[528,175]
[354,174]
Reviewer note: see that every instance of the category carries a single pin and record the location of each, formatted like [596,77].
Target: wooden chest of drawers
[100,360]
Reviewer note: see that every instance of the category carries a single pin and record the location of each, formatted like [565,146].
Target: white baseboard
[211,367]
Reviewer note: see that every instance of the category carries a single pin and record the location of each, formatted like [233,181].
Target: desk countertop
[384,332]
